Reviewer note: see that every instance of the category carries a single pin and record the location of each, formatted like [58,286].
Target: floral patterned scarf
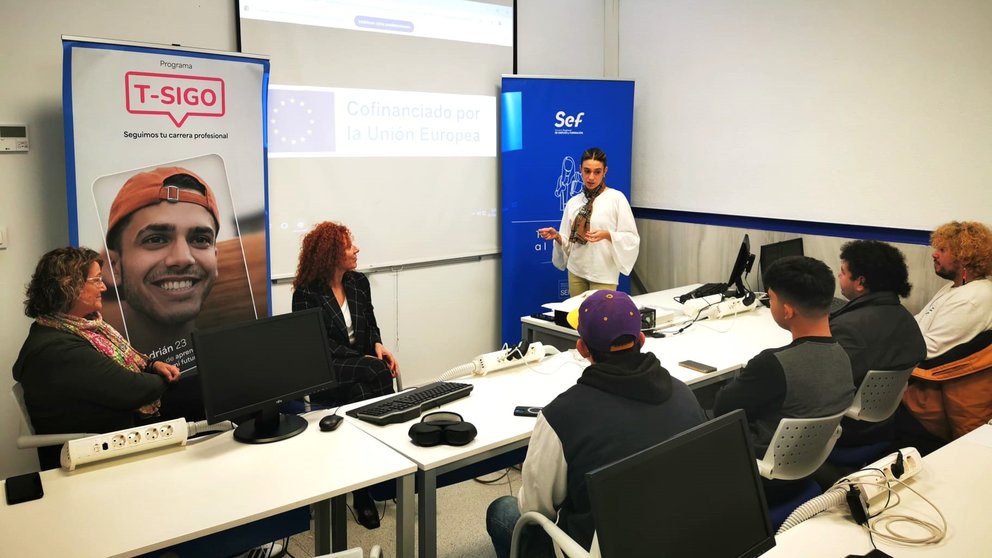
[105,339]
[584,216]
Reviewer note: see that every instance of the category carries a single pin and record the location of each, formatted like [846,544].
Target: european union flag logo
[301,121]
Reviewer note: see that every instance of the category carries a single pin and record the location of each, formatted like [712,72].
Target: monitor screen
[696,494]
[249,369]
[778,250]
[742,265]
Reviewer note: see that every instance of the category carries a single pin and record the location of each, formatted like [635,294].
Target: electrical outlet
[875,490]
[123,442]
[498,360]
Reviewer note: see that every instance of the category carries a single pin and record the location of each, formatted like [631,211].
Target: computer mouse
[330,422]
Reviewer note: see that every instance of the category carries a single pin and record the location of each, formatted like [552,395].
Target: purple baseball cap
[604,317]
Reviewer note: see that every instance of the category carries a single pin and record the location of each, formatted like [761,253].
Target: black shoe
[366,512]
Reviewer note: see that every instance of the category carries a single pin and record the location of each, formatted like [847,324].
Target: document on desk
[568,304]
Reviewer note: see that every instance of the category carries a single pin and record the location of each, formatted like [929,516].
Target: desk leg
[330,523]
[427,516]
[404,516]
[322,527]
[339,523]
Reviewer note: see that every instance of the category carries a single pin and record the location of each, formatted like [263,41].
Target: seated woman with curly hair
[78,373]
[326,279]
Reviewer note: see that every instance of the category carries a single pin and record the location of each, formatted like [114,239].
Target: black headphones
[442,427]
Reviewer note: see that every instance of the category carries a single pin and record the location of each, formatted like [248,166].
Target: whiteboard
[863,112]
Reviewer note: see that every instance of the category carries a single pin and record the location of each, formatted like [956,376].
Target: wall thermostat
[13,137]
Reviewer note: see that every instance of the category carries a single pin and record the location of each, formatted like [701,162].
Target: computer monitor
[777,250]
[742,265]
[249,369]
[696,494]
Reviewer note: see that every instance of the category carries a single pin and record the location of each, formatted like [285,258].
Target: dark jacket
[69,386]
[358,293]
[616,409]
[878,333]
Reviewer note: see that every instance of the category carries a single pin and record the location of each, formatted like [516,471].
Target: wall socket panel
[875,493]
[498,360]
[123,442]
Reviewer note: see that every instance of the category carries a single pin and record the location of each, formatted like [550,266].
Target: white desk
[955,478]
[151,501]
[490,409]
[726,344]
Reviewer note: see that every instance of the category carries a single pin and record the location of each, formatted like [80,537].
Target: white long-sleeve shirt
[603,261]
[955,315]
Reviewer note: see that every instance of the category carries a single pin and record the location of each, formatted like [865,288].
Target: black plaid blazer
[359,296]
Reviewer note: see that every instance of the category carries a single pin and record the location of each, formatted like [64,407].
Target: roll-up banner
[546,125]
[166,178]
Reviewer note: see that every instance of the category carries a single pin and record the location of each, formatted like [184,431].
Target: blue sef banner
[546,125]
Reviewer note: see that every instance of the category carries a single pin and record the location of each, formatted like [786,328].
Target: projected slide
[326,122]
[455,20]
[382,115]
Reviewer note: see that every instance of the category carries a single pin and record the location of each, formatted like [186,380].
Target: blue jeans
[501,517]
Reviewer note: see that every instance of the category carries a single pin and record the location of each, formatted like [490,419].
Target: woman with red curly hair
[326,279]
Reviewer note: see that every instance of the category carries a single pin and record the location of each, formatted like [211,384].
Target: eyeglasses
[95,280]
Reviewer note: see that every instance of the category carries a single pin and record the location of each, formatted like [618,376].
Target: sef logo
[567,121]
[177,96]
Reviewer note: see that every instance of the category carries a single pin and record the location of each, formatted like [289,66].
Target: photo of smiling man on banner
[176,257]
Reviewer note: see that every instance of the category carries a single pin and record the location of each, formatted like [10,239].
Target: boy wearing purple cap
[624,402]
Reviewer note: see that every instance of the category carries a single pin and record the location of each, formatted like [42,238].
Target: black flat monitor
[249,369]
[696,494]
[778,250]
[742,265]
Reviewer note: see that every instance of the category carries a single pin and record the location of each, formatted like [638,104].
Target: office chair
[875,401]
[798,448]
[879,395]
[26,438]
[565,546]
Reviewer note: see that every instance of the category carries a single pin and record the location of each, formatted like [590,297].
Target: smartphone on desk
[697,366]
[23,488]
[526,411]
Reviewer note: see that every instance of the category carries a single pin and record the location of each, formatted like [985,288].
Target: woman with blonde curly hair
[962,254]
[77,372]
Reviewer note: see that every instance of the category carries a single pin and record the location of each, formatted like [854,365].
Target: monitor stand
[269,425]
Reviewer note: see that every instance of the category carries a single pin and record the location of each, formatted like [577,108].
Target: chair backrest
[26,438]
[17,392]
[879,395]
[799,447]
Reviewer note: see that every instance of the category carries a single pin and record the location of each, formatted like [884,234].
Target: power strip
[123,442]
[874,489]
[717,310]
[498,360]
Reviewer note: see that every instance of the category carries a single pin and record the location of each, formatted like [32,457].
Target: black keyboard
[701,291]
[409,404]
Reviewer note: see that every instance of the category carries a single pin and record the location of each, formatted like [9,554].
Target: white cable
[457,372]
[201,426]
[835,496]
[881,526]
